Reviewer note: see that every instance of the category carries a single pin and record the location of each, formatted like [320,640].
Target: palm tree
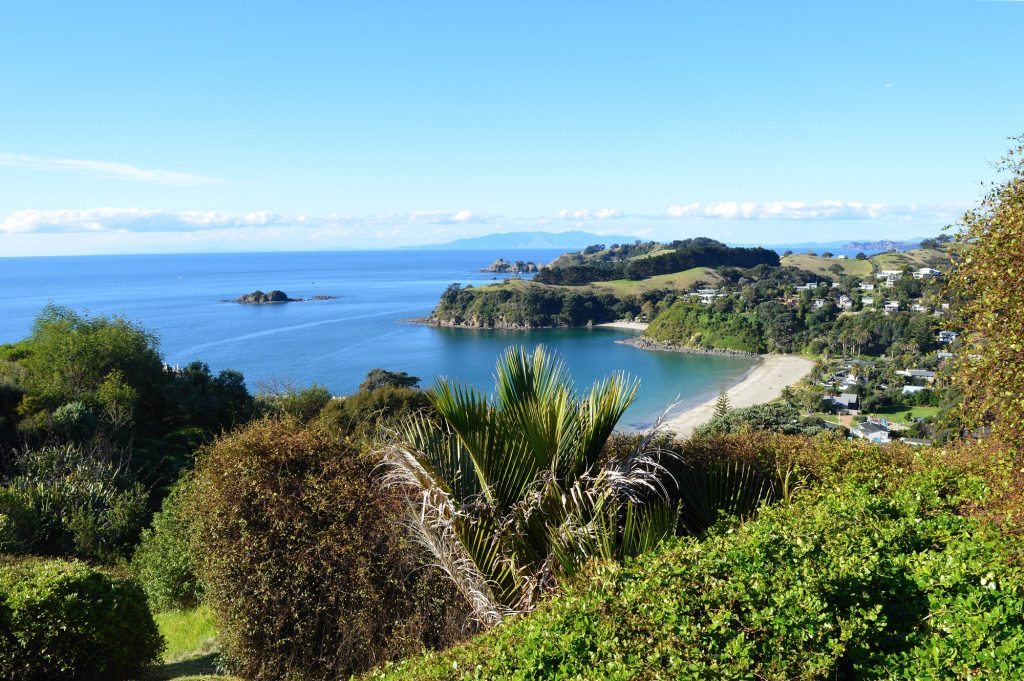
[512,492]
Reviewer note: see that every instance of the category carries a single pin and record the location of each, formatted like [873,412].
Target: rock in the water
[518,267]
[258,297]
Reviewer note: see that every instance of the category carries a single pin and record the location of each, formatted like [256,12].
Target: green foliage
[367,411]
[512,493]
[65,501]
[163,561]
[65,620]
[525,305]
[777,416]
[382,378]
[68,357]
[987,278]
[704,326]
[722,405]
[303,404]
[304,557]
[861,580]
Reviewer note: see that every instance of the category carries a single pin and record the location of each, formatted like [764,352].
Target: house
[841,257]
[947,336]
[918,307]
[866,287]
[847,401]
[917,373]
[945,355]
[890,277]
[810,286]
[846,302]
[706,295]
[871,431]
[916,442]
[891,306]
[927,273]
[819,303]
[867,301]
[911,389]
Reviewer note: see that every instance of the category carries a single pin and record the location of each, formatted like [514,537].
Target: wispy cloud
[810,210]
[424,224]
[590,214]
[120,171]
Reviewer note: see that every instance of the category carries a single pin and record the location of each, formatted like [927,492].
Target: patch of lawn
[823,266]
[189,633]
[679,281]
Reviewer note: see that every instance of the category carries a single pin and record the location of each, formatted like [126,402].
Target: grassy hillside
[679,281]
[922,257]
[822,266]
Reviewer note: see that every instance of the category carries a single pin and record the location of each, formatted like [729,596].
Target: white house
[891,306]
[947,336]
[808,286]
[846,302]
[874,432]
[867,287]
[927,273]
[918,307]
[867,301]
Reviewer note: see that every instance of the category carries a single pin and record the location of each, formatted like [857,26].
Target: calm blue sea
[335,342]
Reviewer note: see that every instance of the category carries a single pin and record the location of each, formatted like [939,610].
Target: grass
[679,281]
[922,257]
[898,414]
[820,265]
[191,653]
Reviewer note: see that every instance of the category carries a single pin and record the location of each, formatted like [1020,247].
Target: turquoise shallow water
[334,342]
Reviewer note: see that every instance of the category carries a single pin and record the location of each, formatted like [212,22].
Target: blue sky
[199,126]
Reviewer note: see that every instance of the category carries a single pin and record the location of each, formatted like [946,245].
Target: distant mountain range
[577,240]
[571,241]
[847,248]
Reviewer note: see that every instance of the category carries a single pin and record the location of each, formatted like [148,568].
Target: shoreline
[763,383]
[632,326]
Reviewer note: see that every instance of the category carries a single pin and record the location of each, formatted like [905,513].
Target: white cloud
[441,217]
[590,214]
[121,171]
[137,220]
[829,209]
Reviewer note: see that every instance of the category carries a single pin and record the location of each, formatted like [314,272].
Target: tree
[827,254]
[382,378]
[512,492]
[722,406]
[861,256]
[987,277]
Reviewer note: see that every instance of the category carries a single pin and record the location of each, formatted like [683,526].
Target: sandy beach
[635,326]
[764,383]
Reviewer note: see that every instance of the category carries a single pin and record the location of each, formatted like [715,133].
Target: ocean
[336,342]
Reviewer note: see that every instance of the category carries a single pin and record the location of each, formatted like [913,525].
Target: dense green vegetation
[515,492]
[65,620]
[304,558]
[677,257]
[874,577]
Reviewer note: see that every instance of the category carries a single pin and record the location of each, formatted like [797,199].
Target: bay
[334,343]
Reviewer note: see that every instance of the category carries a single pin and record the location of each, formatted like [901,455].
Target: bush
[65,620]
[163,561]
[365,411]
[305,560]
[861,580]
[65,502]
